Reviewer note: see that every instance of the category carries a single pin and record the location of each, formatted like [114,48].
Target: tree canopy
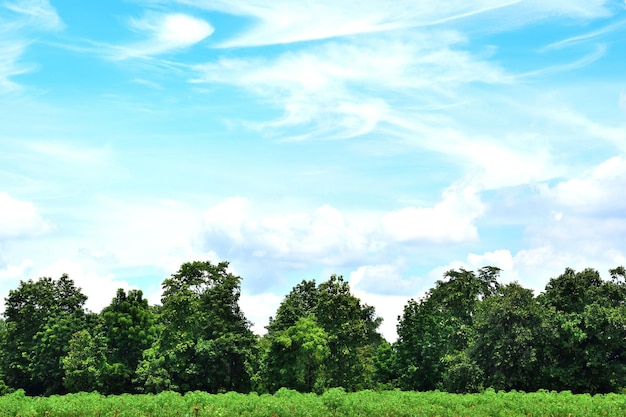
[467,333]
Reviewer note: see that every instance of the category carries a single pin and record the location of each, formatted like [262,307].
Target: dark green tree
[439,326]
[41,317]
[296,355]
[300,302]
[129,326]
[352,328]
[572,291]
[85,363]
[350,333]
[205,342]
[586,318]
[507,339]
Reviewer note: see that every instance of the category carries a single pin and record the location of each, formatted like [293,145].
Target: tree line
[468,333]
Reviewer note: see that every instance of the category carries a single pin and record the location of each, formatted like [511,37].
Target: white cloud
[284,21]
[259,308]
[15,272]
[451,220]
[389,307]
[338,89]
[597,191]
[499,258]
[11,275]
[19,218]
[166,33]
[239,230]
[165,228]
[67,152]
[325,235]
[99,288]
[16,33]
[384,279]
[35,14]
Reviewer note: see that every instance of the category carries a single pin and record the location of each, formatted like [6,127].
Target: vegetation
[469,333]
[334,402]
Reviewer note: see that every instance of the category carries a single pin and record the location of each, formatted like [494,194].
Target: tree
[571,291]
[353,335]
[205,342]
[52,343]
[349,330]
[85,362]
[439,326]
[40,318]
[129,326]
[300,302]
[507,339]
[296,355]
[586,318]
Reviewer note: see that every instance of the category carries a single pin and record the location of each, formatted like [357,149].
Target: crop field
[335,402]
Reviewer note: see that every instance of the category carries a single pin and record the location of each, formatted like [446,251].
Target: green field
[335,402]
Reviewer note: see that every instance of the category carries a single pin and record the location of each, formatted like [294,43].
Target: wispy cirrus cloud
[592,35]
[20,20]
[32,14]
[284,21]
[341,88]
[164,33]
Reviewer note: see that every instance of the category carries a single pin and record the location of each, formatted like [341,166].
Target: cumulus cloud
[259,308]
[597,192]
[165,33]
[451,220]
[15,272]
[325,235]
[19,219]
[385,279]
[99,288]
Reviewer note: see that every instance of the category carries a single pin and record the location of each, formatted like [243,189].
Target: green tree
[572,291]
[439,326]
[300,302]
[586,318]
[352,328]
[385,363]
[507,339]
[40,318]
[205,342]
[51,345]
[129,326]
[85,362]
[350,333]
[296,355]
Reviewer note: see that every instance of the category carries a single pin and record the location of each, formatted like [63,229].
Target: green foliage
[85,363]
[296,355]
[506,340]
[439,326]
[129,326]
[334,402]
[322,337]
[205,342]
[468,334]
[41,317]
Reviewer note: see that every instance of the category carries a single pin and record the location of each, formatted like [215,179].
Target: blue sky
[386,142]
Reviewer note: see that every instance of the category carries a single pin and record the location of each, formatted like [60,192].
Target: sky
[387,142]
